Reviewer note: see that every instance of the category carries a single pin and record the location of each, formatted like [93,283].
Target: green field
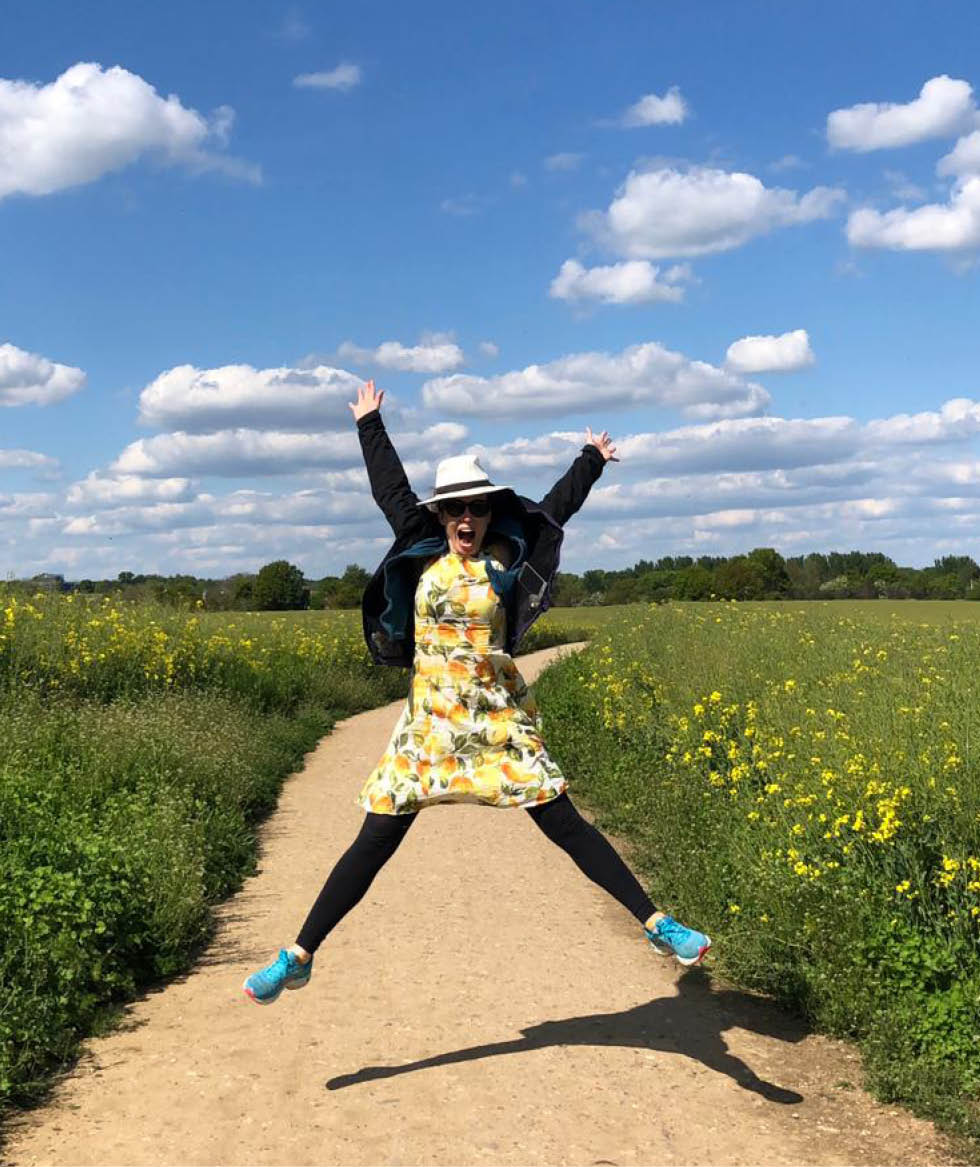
[802,781]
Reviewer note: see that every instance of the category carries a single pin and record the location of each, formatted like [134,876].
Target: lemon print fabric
[470,730]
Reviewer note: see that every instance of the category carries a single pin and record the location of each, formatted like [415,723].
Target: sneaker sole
[258,1000]
[271,1000]
[702,951]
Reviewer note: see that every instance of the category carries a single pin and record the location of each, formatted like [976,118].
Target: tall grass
[803,782]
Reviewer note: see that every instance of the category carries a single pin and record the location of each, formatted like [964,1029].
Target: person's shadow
[691,1024]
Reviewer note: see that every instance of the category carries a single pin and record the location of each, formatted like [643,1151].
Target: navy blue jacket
[533,529]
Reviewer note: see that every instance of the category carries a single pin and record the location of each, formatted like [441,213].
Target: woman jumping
[470,570]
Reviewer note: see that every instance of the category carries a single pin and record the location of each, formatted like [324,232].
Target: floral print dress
[470,731]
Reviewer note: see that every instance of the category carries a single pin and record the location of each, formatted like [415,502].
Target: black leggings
[381,833]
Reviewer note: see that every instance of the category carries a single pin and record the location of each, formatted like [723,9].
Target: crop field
[802,781]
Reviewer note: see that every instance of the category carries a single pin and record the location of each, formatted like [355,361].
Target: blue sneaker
[669,938]
[285,972]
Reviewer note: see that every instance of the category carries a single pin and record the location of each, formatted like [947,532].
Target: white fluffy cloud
[435,353]
[943,108]
[247,452]
[909,484]
[743,444]
[26,460]
[197,400]
[29,379]
[98,489]
[951,226]
[651,110]
[771,354]
[642,373]
[963,159]
[634,281]
[26,505]
[92,121]
[320,509]
[668,212]
[956,420]
[344,77]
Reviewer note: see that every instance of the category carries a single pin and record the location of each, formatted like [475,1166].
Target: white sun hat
[461,476]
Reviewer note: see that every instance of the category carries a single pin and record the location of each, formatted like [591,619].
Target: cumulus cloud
[488,348]
[956,420]
[196,400]
[651,110]
[29,379]
[436,353]
[963,159]
[634,281]
[771,354]
[668,212]
[26,460]
[742,444]
[344,77]
[908,483]
[642,373]
[951,226]
[944,107]
[98,489]
[316,508]
[27,505]
[91,121]
[240,452]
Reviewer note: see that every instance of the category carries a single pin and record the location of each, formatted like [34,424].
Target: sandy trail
[484,1004]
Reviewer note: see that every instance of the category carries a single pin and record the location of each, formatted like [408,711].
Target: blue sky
[521,219]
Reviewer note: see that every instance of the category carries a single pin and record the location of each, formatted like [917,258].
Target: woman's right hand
[368,400]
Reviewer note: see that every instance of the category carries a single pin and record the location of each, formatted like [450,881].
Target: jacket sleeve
[572,489]
[389,483]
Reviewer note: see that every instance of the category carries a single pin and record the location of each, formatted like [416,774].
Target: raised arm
[389,483]
[572,489]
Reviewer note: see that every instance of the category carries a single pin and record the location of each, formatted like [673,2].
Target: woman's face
[464,530]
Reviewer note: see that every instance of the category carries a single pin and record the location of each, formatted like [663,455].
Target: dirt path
[484,1004]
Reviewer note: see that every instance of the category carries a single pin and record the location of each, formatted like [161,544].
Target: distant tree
[775,576]
[569,590]
[694,583]
[741,578]
[624,589]
[345,592]
[279,587]
[594,580]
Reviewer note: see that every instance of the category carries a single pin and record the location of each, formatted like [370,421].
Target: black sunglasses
[455,508]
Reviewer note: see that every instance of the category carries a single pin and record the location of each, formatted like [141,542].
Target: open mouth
[466,537]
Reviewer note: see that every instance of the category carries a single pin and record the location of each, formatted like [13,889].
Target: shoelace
[671,932]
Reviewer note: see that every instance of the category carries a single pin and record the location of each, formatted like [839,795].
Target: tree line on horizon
[761,574]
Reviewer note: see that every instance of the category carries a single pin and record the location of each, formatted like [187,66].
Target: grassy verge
[804,783]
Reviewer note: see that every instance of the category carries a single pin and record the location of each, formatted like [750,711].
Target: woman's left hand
[603,443]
